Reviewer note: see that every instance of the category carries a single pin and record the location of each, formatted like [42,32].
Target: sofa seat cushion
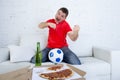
[94,66]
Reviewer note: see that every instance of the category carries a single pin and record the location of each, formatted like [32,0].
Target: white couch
[99,63]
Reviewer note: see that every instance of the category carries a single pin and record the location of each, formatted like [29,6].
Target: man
[58,30]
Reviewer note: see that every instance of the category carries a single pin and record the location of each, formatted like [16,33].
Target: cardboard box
[26,73]
[77,73]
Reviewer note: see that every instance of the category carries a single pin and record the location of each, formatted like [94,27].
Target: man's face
[60,16]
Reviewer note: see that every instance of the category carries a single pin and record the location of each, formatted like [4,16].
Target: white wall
[99,20]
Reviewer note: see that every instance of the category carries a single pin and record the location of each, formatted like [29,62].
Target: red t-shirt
[57,36]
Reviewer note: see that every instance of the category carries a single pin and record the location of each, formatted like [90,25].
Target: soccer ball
[55,55]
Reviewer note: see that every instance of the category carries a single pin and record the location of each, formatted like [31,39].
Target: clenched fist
[76,28]
[52,25]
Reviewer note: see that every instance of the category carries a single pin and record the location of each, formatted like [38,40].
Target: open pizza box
[28,74]
[77,73]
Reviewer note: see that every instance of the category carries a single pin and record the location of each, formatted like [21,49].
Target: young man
[58,30]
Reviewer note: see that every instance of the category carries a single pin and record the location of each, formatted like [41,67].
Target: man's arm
[73,35]
[46,24]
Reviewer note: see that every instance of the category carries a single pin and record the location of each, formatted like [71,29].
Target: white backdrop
[99,20]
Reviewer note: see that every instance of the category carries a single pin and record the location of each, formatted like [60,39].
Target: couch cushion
[20,53]
[94,66]
[91,65]
[4,54]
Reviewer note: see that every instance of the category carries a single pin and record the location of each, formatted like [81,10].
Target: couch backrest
[32,39]
[80,47]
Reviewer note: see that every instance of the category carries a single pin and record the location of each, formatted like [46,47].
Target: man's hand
[76,28]
[74,33]
[52,25]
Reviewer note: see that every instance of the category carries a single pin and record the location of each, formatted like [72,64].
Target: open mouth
[57,19]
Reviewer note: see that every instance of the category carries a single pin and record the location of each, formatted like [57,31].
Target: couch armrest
[111,56]
[115,65]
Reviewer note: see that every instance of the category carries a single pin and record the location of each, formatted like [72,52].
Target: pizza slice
[56,67]
[59,75]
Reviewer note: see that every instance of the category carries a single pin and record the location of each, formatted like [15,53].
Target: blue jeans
[69,57]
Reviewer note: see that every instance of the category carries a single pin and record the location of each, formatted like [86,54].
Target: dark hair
[64,10]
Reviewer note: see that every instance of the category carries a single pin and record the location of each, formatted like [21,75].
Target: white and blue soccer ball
[56,55]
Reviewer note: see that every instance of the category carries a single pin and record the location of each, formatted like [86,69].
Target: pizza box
[77,73]
[26,73]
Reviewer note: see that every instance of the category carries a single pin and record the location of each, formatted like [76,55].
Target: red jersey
[57,36]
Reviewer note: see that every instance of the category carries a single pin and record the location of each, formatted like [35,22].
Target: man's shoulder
[66,23]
